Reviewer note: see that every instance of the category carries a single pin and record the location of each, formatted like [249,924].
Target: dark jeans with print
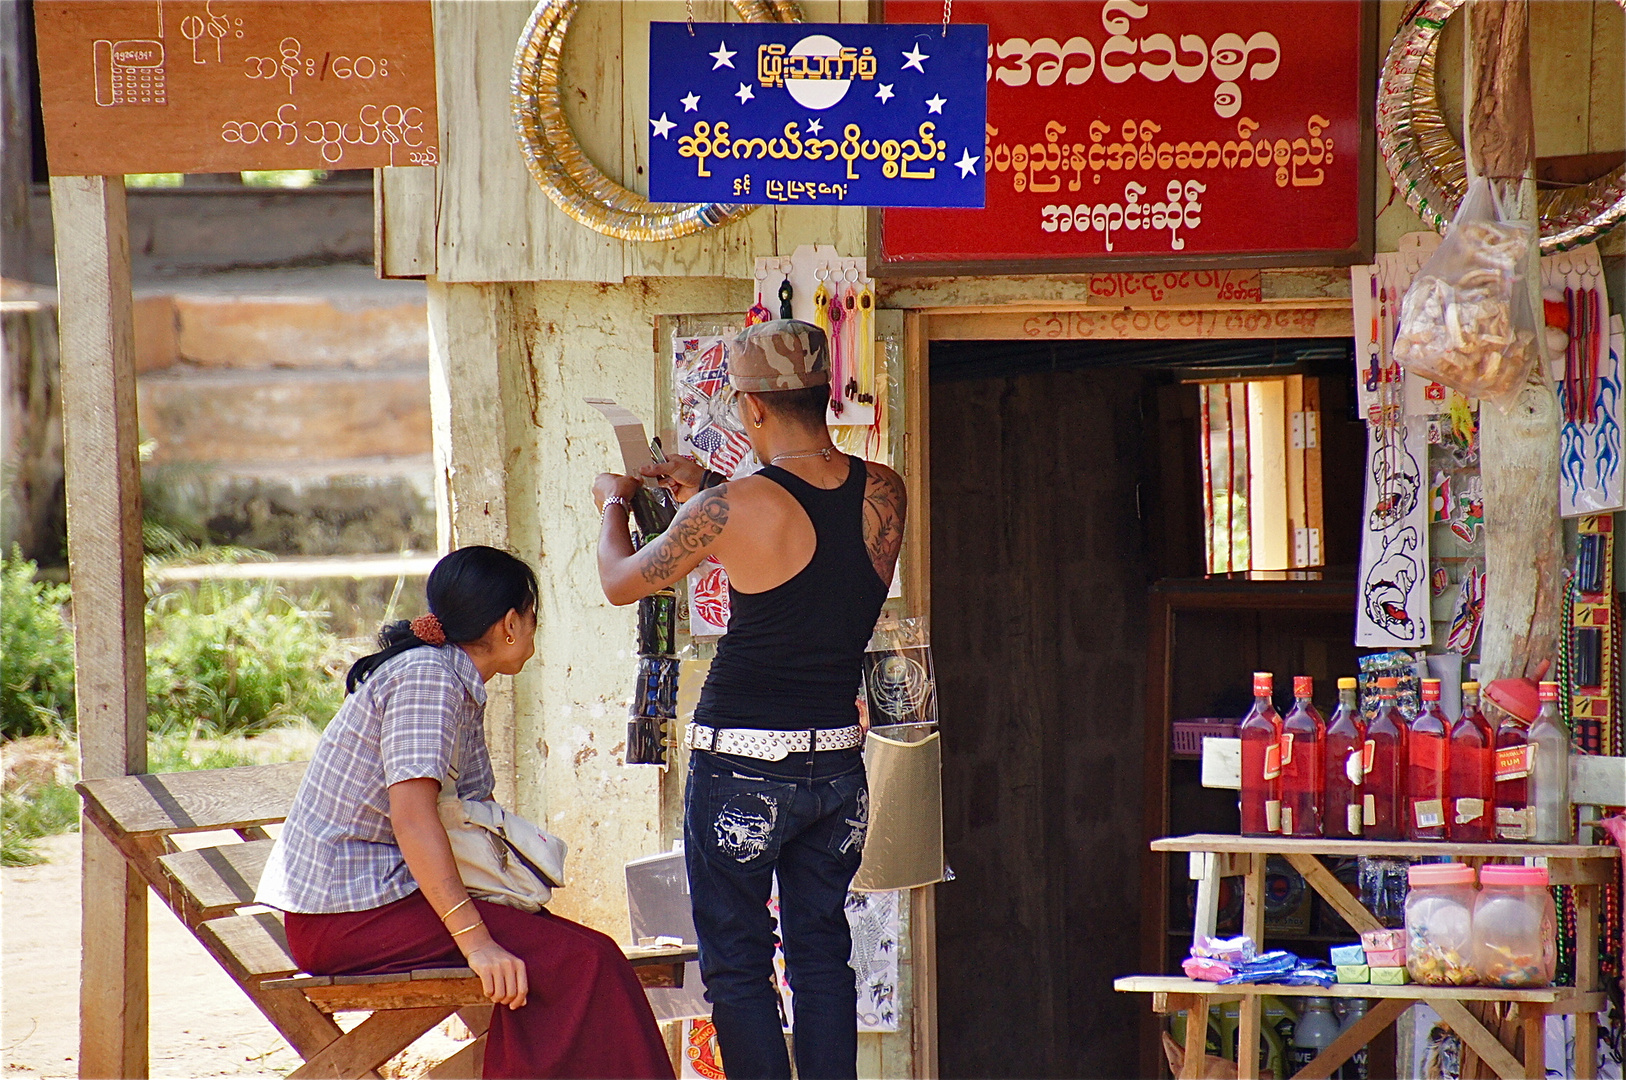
[804,817]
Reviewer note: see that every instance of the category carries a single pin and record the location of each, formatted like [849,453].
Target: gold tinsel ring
[574,183]
[1427,165]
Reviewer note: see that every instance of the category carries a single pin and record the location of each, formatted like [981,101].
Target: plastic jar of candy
[1439,924]
[1515,927]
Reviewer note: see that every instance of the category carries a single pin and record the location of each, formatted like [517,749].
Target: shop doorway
[1065,484]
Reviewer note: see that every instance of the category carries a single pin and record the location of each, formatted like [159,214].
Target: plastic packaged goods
[1261,732]
[1383,892]
[1512,769]
[1515,932]
[1344,754]
[1467,320]
[1316,1030]
[1552,821]
[1473,774]
[1428,765]
[1439,925]
[1383,813]
[1304,763]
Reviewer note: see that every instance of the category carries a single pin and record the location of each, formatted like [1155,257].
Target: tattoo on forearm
[699,523]
[885,502]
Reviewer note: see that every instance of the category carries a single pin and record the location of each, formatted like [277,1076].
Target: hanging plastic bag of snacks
[1467,320]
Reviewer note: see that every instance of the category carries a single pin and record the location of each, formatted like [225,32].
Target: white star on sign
[884,93]
[723,56]
[662,126]
[815,126]
[967,164]
[935,104]
[744,93]
[691,103]
[913,57]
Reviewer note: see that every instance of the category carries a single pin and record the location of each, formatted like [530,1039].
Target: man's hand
[608,484]
[682,476]
[502,974]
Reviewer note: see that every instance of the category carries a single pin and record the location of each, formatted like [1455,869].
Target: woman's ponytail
[469,591]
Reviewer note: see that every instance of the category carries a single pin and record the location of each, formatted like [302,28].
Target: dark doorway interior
[1053,512]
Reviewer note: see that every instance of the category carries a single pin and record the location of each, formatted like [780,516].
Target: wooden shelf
[1277,845]
[1561,999]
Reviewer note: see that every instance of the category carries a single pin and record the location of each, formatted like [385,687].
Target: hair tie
[427,629]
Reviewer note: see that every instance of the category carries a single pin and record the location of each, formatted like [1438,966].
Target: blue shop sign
[847,114]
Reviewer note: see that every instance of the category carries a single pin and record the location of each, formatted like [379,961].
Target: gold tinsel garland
[571,180]
[1428,166]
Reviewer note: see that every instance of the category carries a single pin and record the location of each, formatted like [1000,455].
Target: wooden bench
[211,890]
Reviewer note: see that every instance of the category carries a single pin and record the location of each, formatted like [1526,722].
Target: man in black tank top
[776,778]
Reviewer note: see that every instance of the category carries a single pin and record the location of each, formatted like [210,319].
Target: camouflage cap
[785,354]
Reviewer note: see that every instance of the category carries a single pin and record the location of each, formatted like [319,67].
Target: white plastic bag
[1467,321]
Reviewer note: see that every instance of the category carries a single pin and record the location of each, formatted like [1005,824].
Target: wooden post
[1519,449]
[104,562]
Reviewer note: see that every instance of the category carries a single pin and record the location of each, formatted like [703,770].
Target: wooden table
[1468,1009]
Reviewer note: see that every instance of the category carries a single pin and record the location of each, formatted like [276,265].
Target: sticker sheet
[876,922]
[1586,369]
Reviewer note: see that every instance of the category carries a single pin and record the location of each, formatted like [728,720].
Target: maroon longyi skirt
[585,1015]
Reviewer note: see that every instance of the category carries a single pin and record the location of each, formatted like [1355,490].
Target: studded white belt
[770,745]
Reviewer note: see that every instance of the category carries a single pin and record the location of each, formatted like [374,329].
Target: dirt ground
[201,1023]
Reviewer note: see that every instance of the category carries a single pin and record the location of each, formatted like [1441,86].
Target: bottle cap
[1264,683]
[1453,873]
[1346,684]
[1513,875]
[1470,688]
[1547,691]
[1303,686]
[1431,689]
[1387,687]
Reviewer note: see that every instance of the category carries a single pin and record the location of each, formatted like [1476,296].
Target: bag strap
[448,783]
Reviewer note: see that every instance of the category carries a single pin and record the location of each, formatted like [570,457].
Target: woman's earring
[510,639]
[756,423]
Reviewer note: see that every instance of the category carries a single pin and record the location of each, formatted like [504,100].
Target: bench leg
[377,1039]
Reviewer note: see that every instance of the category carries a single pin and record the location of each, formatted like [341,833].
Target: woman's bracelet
[712,479]
[467,900]
[468,928]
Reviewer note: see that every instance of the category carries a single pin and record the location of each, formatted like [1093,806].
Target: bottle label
[1513,762]
[1287,749]
[1273,761]
[1369,753]
[1470,810]
[1429,813]
[1355,766]
[1369,808]
[1273,815]
[1353,813]
[1512,824]
[1287,820]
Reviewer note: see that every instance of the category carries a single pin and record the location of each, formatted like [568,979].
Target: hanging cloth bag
[501,857]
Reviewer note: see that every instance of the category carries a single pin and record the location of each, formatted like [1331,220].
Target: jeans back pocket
[745,818]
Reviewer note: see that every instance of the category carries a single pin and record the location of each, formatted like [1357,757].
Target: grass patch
[24,819]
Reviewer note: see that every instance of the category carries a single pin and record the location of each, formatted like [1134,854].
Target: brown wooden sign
[143,86]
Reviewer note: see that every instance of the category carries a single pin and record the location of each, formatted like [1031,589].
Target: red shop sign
[1126,135]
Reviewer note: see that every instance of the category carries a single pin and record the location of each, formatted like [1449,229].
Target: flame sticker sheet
[1586,368]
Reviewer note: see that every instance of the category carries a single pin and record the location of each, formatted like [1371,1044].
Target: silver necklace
[824,453]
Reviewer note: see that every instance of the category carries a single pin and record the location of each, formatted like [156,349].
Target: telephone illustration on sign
[129,72]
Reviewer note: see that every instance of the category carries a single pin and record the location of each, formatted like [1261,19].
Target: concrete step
[334,508]
[332,316]
[323,414]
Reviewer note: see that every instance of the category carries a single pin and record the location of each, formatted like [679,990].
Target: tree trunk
[1519,449]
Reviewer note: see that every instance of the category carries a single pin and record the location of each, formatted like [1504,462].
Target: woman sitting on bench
[365,872]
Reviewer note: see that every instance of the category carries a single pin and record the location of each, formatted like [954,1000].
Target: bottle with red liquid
[1261,733]
[1304,763]
[1512,777]
[1344,768]
[1428,767]
[1384,813]
[1473,774]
